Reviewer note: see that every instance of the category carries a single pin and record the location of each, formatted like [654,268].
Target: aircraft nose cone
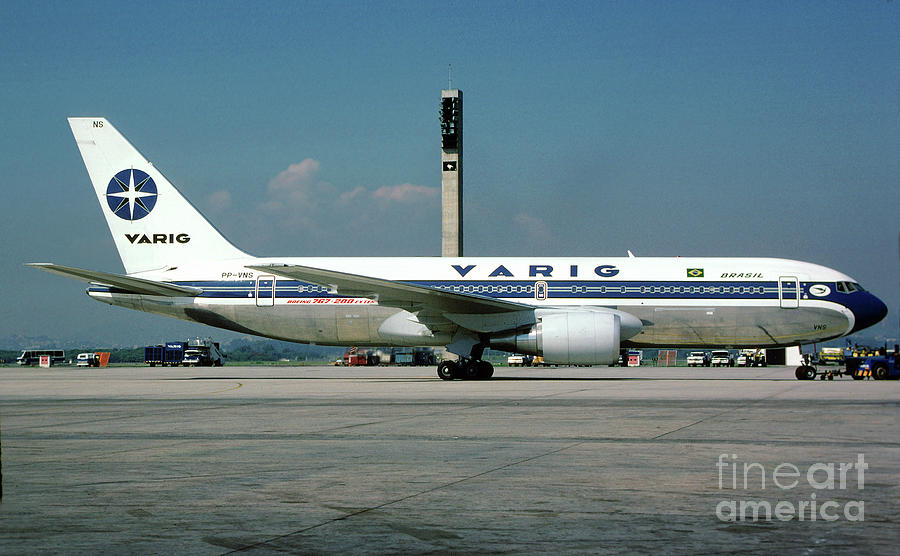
[868,310]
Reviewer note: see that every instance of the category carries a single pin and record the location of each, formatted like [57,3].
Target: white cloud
[219,202]
[299,187]
[406,193]
[532,224]
[354,195]
[295,197]
[303,213]
[297,178]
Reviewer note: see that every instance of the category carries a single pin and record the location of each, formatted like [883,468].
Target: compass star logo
[131,194]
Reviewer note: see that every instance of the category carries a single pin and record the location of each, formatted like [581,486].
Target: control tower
[451,173]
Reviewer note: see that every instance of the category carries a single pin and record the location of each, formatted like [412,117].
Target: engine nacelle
[569,338]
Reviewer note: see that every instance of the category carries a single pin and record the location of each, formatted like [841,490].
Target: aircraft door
[265,291]
[789,292]
[541,291]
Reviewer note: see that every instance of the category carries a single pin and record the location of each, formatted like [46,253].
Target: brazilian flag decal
[695,273]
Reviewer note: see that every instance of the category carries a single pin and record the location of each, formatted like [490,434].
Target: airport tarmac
[394,460]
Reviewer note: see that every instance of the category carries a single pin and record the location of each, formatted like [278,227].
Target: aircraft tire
[470,370]
[805,373]
[446,370]
[484,370]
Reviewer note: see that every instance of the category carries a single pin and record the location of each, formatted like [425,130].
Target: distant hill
[17,342]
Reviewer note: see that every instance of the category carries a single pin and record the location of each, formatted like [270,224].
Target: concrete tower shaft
[451,173]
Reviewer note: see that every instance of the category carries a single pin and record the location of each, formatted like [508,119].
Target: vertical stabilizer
[152,224]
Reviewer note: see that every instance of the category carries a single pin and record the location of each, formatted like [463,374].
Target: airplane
[569,310]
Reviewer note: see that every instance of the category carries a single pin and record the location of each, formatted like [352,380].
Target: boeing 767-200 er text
[569,310]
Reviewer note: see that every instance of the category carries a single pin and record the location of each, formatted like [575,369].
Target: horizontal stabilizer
[392,293]
[128,284]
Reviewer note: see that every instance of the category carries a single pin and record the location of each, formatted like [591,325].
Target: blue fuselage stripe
[525,289]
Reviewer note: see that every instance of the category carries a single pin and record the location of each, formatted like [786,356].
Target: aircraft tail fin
[152,224]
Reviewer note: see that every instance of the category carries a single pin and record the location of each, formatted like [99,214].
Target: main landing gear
[465,369]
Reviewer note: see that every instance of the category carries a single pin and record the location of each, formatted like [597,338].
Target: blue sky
[690,128]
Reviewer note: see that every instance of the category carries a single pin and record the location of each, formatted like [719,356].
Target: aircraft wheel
[805,373]
[447,370]
[880,372]
[484,370]
[469,369]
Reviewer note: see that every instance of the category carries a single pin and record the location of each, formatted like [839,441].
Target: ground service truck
[201,352]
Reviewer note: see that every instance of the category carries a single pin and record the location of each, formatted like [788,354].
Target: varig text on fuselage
[538,270]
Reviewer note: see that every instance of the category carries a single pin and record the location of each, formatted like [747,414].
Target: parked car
[721,358]
[698,359]
[519,360]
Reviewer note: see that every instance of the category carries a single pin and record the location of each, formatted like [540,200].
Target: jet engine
[572,337]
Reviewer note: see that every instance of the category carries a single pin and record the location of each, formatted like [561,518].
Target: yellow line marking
[239,384]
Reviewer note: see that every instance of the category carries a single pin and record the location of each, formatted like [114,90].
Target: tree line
[236,351]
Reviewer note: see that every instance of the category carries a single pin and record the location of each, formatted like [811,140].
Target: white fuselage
[682,302]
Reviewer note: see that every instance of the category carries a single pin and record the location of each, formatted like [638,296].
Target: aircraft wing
[393,293]
[128,284]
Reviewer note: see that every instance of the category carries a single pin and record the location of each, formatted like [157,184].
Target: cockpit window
[848,287]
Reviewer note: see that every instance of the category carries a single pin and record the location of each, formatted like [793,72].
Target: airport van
[84,359]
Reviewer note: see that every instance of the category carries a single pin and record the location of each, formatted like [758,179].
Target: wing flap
[128,284]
